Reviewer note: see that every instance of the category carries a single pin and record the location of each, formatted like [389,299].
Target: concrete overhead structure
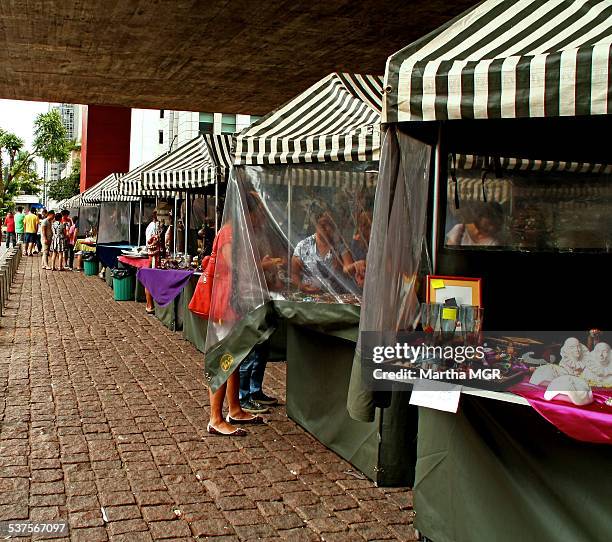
[243,56]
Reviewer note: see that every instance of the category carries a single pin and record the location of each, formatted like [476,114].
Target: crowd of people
[51,234]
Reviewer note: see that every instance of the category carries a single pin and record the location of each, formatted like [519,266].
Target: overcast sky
[18,117]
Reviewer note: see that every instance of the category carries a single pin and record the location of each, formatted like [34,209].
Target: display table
[138,263]
[171,315]
[83,245]
[320,349]
[499,471]
[109,252]
[166,287]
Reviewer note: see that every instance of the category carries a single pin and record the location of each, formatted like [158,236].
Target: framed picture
[465,290]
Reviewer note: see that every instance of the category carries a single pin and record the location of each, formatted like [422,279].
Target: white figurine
[545,374]
[573,356]
[598,370]
[571,389]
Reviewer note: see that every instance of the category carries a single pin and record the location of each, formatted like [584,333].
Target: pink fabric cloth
[589,423]
[135,262]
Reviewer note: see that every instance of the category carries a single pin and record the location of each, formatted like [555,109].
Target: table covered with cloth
[108,253]
[588,423]
[135,262]
[164,284]
[83,245]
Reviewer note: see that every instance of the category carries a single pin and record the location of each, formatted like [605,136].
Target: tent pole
[187,221]
[174,224]
[140,221]
[435,223]
[216,206]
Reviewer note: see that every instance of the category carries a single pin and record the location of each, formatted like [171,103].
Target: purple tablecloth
[163,284]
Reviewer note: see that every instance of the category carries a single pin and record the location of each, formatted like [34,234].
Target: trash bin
[90,267]
[123,284]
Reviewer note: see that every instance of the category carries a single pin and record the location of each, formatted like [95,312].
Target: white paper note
[436,395]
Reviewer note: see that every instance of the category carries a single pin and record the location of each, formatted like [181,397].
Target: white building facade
[155,131]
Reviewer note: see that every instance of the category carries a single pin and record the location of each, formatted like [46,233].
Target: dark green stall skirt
[108,277]
[318,374]
[499,472]
[194,327]
[172,314]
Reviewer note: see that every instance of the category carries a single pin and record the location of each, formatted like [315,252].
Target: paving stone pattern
[103,422]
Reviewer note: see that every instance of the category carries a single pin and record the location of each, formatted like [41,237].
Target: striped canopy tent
[506,59]
[106,190]
[336,119]
[197,164]
[73,203]
[312,177]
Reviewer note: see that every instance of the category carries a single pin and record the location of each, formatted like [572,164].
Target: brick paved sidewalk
[103,421]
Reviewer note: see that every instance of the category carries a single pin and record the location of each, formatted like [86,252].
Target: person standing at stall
[30,227]
[46,234]
[58,244]
[244,381]
[153,242]
[19,216]
[73,233]
[9,222]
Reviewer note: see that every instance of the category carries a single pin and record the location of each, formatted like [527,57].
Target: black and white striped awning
[507,59]
[106,190]
[200,162]
[470,161]
[327,178]
[337,118]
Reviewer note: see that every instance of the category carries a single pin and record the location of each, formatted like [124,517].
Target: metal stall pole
[174,224]
[216,206]
[289,227]
[187,221]
[141,209]
[435,223]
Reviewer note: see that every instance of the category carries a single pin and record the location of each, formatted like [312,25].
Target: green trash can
[123,287]
[90,267]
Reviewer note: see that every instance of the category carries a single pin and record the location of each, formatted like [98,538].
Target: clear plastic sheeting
[531,209]
[239,283]
[114,222]
[317,227]
[88,221]
[289,233]
[390,302]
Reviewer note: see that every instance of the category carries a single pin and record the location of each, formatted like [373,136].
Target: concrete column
[105,146]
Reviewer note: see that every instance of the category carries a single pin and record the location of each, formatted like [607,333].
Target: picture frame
[465,290]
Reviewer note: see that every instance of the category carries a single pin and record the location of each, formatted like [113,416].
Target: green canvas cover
[172,314]
[194,327]
[499,472]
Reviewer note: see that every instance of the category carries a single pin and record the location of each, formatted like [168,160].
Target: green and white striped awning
[325,178]
[506,59]
[106,190]
[337,119]
[200,162]
[470,161]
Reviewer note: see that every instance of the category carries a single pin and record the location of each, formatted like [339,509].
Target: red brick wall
[105,145]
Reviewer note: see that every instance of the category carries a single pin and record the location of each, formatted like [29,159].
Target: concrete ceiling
[234,56]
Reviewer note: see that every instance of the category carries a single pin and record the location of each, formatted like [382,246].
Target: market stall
[297,215]
[509,100]
[114,216]
[198,170]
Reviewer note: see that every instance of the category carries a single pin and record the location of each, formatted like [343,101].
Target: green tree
[50,143]
[66,187]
